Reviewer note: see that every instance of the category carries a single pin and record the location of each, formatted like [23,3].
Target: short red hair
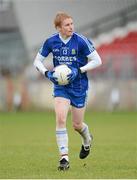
[60,17]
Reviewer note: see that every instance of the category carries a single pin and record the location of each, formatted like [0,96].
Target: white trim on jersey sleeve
[89,45]
[38,63]
[94,62]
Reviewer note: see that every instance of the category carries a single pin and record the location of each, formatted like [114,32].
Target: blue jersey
[73,53]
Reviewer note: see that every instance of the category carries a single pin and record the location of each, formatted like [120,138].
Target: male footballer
[78,52]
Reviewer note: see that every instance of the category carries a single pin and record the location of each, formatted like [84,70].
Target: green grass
[28,146]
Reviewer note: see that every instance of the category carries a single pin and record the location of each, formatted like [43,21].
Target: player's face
[67,28]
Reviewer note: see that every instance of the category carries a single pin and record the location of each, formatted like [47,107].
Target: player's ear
[58,28]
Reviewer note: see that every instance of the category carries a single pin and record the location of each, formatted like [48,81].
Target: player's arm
[40,57]
[94,61]
[38,63]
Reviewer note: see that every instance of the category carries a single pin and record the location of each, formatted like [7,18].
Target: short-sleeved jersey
[73,53]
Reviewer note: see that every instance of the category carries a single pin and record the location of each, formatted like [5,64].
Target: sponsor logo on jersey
[65,58]
[73,51]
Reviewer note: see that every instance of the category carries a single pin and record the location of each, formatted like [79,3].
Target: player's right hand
[49,75]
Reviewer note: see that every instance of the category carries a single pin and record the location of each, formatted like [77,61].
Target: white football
[61,73]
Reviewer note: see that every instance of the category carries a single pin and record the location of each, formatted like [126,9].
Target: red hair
[60,17]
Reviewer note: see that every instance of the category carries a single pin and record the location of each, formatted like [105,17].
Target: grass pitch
[28,146]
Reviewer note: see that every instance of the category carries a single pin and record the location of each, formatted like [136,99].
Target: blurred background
[110,24]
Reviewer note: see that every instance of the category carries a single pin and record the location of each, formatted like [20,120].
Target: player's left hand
[49,75]
[73,74]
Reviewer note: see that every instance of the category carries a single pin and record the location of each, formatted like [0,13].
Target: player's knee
[77,126]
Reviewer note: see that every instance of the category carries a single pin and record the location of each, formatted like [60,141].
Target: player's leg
[61,110]
[82,128]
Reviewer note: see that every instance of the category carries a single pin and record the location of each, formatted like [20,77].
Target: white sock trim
[62,140]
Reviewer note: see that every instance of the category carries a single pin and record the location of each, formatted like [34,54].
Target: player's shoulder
[52,37]
[82,38]
[55,35]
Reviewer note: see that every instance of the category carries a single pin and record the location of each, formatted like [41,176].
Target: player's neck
[64,36]
[65,40]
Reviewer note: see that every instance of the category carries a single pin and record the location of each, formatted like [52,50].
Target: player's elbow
[35,63]
[99,61]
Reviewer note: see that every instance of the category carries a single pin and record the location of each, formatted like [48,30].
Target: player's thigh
[61,107]
[77,115]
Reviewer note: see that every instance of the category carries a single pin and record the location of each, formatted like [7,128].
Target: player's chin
[70,33]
